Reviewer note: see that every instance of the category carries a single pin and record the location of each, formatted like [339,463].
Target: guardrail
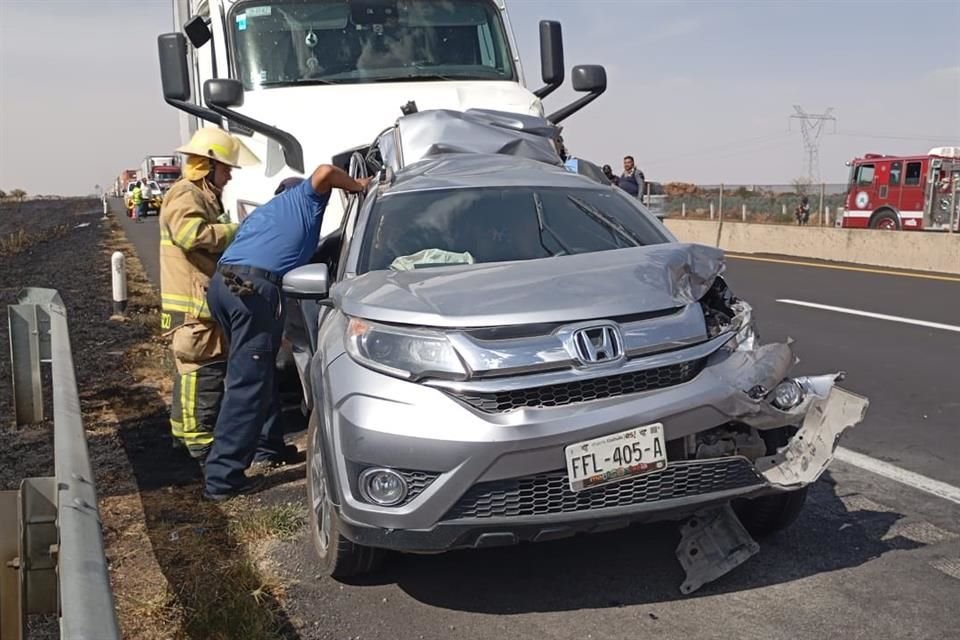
[51,543]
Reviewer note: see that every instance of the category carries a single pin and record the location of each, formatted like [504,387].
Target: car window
[456,226]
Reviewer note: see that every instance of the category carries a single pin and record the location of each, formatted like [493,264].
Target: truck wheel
[885,220]
[339,557]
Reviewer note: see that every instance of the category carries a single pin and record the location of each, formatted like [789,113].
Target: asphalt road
[870,557]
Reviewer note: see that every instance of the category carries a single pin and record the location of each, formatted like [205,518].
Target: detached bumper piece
[713,542]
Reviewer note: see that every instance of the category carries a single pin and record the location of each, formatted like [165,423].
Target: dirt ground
[180,567]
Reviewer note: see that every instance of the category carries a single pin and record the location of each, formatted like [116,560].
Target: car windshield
[467,226]
[335,41]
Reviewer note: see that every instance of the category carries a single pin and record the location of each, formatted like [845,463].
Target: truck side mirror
[175,76]
[590,78]
[551,57]
[198,31]
[221,95]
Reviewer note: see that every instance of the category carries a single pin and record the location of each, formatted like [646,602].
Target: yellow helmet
[217,144]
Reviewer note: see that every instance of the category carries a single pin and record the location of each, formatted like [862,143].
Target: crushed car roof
[477,170]
[438,132]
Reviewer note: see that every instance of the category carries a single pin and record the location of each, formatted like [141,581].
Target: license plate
[616,457]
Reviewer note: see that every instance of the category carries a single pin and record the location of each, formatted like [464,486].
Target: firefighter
[194,231]
[246,298]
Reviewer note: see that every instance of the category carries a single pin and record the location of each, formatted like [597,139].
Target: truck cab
[309,82]
[904,192]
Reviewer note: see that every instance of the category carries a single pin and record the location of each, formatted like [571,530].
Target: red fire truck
[904,192]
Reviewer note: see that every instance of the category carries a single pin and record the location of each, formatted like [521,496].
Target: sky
[697,91]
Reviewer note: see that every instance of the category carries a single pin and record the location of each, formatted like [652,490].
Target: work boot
[289,455]
[251,484]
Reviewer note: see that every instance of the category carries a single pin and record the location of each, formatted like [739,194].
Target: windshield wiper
[606,221]
[298,83]
[414,77]
[542,224]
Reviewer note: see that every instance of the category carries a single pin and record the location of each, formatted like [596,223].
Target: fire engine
[904,192]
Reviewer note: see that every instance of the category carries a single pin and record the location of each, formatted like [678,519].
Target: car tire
[885,220]
[768,514]
[338,556]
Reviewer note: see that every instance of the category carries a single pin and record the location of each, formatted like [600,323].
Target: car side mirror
[551,58]
[311,281]
[589,78]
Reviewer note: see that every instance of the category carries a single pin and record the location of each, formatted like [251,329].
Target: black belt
[233,270]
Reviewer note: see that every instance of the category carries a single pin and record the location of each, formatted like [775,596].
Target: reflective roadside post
[106,209]
[119,270]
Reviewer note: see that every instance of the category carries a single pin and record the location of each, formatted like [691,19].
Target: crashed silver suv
[505,351]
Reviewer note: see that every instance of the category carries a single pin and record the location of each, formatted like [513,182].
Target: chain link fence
[766,204]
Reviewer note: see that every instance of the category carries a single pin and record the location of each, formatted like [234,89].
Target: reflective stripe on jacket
[191,241]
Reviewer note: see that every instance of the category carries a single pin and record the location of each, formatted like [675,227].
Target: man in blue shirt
[246,301]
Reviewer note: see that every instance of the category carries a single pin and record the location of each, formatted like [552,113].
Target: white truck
[308,82]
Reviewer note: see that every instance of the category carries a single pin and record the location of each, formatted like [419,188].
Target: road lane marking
[838,267]
[893,472]
[949,566]
[923,533]
[869,314]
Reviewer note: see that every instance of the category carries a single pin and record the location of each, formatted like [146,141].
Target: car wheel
[339,557]
[768,514]
[885,220]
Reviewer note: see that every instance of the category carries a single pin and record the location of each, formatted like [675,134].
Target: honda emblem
[598,345]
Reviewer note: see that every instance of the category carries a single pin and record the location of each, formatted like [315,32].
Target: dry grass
[21,240]
[180,567]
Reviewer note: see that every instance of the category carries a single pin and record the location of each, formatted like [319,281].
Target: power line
[855,134]
[811,126]
[705,152]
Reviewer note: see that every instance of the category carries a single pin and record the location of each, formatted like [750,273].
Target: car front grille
[417,482]
[549,493]
[558,395]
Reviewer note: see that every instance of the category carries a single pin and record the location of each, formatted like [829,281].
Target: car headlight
[787,395]
[403,352]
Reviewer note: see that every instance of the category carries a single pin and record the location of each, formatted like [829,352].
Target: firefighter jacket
[191,241]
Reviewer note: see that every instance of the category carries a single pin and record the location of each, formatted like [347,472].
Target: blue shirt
[282,234]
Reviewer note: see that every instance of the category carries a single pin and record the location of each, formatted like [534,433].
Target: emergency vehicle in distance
[164,170]
[904,192]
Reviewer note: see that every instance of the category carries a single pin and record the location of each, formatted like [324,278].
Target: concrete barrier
[919,251]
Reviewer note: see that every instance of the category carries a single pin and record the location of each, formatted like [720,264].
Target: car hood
[561,289]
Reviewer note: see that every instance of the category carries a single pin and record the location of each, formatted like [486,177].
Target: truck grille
[549,493]
[558,395]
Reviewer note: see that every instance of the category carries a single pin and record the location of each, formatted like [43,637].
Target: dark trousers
[250,422]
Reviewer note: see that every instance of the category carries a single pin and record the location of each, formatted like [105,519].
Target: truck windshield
[288,43]
[495,224]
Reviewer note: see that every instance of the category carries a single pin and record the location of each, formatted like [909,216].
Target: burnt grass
[180,567]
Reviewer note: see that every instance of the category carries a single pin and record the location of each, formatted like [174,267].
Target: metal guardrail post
[24,323]
[59,522]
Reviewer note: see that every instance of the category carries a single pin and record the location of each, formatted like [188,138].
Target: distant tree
[18,194]
[3,194]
